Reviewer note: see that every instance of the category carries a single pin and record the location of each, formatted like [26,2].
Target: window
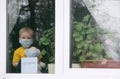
[95,34]
[37,16]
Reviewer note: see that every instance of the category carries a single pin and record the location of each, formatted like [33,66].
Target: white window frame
[62,50]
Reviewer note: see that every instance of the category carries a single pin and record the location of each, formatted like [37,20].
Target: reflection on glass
[37,16]
[95,34]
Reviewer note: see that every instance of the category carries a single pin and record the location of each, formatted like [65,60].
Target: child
[26,35]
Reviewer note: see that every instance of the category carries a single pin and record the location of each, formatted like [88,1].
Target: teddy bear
[34,52]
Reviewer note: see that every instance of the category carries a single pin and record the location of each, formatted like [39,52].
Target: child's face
[26,39]
[25,35]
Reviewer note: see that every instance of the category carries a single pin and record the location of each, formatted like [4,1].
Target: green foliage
[43,52]
[47,40]
[86,44]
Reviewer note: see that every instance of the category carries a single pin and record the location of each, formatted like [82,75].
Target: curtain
[107,16]
[14,7]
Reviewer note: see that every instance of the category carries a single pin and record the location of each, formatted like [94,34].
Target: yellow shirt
[19,53]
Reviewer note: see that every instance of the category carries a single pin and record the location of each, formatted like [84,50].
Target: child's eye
[29,38]
[23,37]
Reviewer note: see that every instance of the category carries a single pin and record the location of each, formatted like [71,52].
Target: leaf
[51,59]
[82,58]
[88,26]
[74,53]
[89,41]
[78,39]
[76,34]
[85,45]
[45,41]
[99,47]
[91,47]
[86,18]
[79,26]
[89,37]
[43,52]
[80,51]
[83,33]
[91,31]
[89,54]
[41,40]
[79,46]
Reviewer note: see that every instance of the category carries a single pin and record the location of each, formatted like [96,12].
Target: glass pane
[31,33]
[95,37]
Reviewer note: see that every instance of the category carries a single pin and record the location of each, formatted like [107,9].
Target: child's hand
[15,64]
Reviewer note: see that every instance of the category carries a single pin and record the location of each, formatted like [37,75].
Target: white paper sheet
[29,65]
